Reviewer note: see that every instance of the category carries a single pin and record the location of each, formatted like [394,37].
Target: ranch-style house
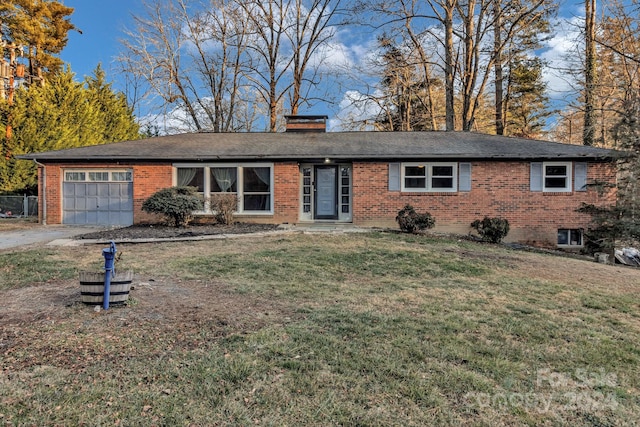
[307,175]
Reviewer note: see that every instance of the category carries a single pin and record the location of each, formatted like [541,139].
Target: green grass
[380,329]
[34,266]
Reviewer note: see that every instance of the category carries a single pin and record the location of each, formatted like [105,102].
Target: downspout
[44,191]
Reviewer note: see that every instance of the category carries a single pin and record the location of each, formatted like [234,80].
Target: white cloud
[356,110]
[562,57]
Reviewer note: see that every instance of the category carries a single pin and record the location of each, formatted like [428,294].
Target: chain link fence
[18,206]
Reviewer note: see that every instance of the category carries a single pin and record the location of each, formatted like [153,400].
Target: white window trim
[240,177]
[569,182]
[87,171]
[428,178]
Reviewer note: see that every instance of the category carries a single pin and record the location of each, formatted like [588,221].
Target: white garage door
[97,197]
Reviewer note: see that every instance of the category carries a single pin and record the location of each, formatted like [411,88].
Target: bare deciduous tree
[154,51]
[472,36]
[312,31]
[269,66]
[614,80]
[215,64]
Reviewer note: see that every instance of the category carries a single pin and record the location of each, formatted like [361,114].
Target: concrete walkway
[41,234]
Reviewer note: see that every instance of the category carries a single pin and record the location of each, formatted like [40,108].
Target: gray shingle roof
[335,145]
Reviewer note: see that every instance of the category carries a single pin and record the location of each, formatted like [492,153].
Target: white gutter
[44,192]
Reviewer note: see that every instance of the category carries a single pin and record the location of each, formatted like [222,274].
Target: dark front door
[326,192]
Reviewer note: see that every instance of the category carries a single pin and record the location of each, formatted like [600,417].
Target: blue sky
[101,23]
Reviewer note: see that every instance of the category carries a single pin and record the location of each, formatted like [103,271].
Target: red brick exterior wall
[497,189]
[147,179]
[286,193]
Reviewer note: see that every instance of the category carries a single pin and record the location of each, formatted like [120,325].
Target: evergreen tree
[404,100]
[62,114]
[40,28]
[117,122]
[526,101]
[620,223]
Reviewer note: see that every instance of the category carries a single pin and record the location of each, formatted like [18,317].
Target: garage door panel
[90,217]
[115,205]
[98,203]
[127,204]
[68,204]
[91,204]
[80,217]
[115,190]
[80,204]
[104,204]
[103,217]
[104,190]
[126,191]
[79,189]
[92,189]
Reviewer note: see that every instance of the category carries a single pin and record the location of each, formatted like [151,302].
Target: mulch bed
[163,231]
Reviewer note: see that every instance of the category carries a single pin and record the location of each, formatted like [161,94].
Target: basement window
[570,237]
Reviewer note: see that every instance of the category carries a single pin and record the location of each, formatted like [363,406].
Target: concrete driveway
[41,234]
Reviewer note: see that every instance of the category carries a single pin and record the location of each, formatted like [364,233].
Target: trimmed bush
[176,204]
[491,229]
[224,204]
[411,221]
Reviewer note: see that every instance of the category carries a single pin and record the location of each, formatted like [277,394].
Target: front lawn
[372,329]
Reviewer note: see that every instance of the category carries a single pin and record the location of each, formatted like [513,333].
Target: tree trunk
[469,72]
[449,66]
[588,133]
[497,68]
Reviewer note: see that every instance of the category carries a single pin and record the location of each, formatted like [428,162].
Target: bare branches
[221,61]
[468,38]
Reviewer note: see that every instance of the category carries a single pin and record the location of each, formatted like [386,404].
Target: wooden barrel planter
[92,287]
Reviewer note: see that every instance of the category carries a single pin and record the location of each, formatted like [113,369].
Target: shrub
[411,221]
[491,229]
[225,205]
[176,204]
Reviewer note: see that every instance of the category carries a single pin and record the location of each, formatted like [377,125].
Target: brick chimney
[306,123]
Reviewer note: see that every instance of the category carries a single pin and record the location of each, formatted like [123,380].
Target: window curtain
[185,176]
[225,178]
[263,175]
